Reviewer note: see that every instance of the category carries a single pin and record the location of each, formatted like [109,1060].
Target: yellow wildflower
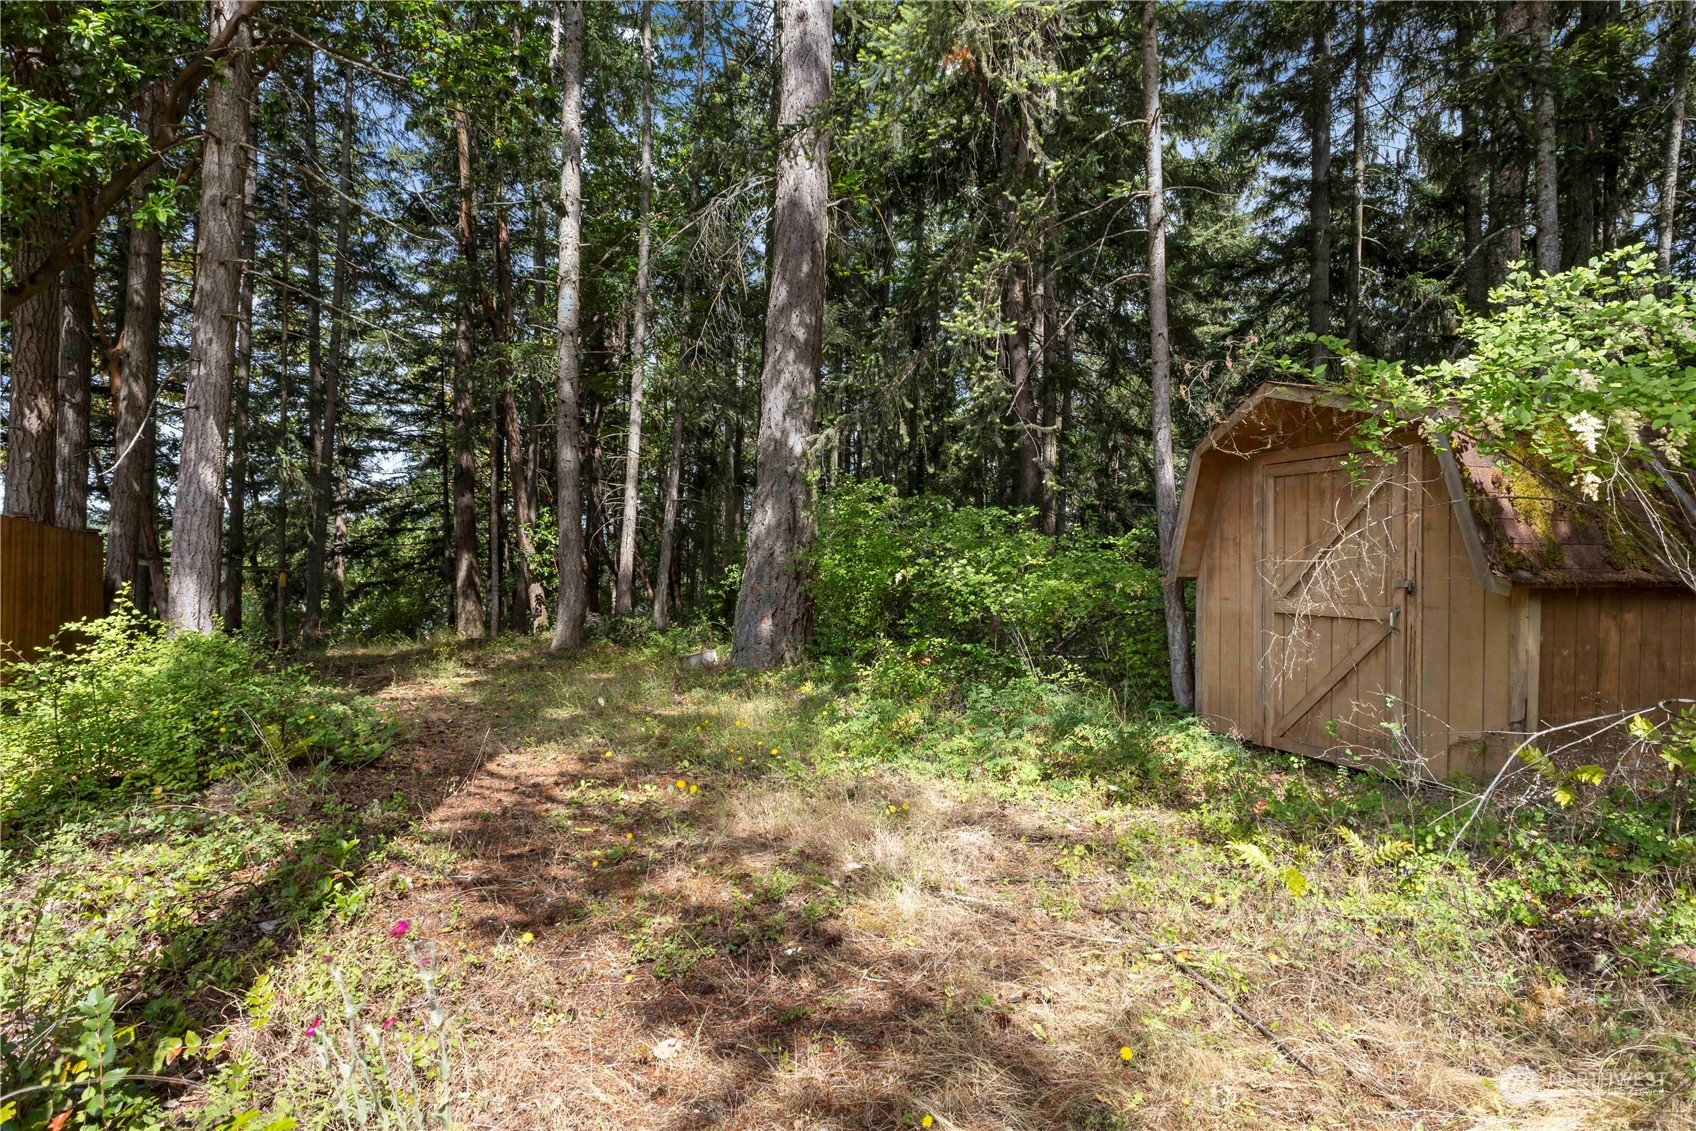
[1125,1053]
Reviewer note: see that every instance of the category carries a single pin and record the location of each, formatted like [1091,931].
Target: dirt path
[648,913]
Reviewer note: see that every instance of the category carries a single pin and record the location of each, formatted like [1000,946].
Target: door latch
[1395,615]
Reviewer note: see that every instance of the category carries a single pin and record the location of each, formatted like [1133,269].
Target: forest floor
[654,898]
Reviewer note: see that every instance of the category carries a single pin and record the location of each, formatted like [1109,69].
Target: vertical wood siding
[1607,650]
[49,577]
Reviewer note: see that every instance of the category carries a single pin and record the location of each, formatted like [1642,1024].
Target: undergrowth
[132,900]
[149,915]
[1607,883]
[135,709]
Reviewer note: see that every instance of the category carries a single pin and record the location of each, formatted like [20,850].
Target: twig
[1209,985]
[1178,964]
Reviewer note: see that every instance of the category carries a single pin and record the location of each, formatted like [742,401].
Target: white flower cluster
[1586,380]
[1590,484]
[1588,428]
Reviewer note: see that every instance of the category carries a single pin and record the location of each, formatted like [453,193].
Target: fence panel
[49,577]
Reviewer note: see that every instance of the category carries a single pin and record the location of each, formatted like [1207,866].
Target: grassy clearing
[649,897]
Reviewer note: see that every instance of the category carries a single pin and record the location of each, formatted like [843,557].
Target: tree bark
[497,537]
[76,371]
[31,428]
[568,497]
[1319,179]
[470,620]
[1476,267]
[195,560]
[1548,211]
[1507,181]
[317,508]
[127,477]
[622,582]
[668,521]
[1048,385]
[1357,253]
[772,607]
[1165,471]
[531,604]
[1675,137]
[335,376]
[285,392]
[468,600]
[1016,305]
[236,556]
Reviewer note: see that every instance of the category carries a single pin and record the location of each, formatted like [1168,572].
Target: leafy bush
[135,709]
[1582,381]
[980,593]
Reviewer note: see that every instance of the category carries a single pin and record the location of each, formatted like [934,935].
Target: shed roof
[1522,525]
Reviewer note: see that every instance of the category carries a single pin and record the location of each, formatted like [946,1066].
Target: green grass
[857,821]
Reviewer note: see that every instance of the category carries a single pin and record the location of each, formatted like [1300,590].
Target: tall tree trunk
[1507,180]
[199,516]
[150,582]
[568,491]
[1050,379]
[1675,136]
[285,393]
[596,556]
[531,604]
[234,582]
[1476,267]
[622,583]
[1548,212]
[127,478]
[31,428]
[76,371]
[468,601]
[1165,471]
[772,607]
[471,619]
[1357,252]
[1015,344]
[1319,179]
[668,521]
[1578,166]
[335,374]
[497,536]
[317,503]
[735,502]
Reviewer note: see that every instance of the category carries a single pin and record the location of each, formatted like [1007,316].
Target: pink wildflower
[312,1029]
[399,929]
[390,1023]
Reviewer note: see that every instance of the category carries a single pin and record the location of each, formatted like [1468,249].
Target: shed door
[1334,577]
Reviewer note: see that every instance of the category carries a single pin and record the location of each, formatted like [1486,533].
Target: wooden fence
[49,577]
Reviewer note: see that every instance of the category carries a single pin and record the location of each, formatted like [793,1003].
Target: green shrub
[134,709]
[979,592]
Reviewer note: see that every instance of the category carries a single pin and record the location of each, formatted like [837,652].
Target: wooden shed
[1428,611]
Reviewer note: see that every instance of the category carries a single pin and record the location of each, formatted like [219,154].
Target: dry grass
[772,946]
